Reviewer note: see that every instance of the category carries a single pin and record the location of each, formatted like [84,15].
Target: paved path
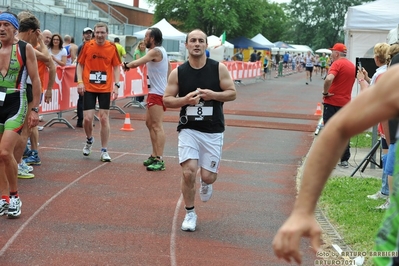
[80,211]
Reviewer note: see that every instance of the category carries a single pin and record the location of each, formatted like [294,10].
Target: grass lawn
[344,201]
[363,140]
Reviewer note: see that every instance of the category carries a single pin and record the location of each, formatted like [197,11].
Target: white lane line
[25,224]
[173,233]
[175,157]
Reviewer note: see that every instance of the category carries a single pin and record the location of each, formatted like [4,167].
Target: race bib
[200,112]
[2,95]
[98,77]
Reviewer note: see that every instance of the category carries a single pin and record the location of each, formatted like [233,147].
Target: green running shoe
[157,165]
[149,161]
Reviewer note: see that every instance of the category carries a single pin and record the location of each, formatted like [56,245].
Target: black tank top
[205,78]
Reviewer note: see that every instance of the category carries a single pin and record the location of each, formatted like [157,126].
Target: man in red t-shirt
[337,89]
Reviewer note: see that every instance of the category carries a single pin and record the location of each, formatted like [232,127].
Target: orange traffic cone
[318,109]
[126,125]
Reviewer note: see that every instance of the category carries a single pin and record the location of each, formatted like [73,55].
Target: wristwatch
[35,109]
[117,85]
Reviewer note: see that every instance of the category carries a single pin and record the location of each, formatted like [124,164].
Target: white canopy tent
[393,35]
[298,48]
[168,31]
[215,41]
[219,51]
[262,40]
[368,24]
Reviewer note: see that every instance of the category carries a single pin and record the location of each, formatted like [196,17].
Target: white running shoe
[105,156]
[87,148]
[377,196]
[25,167]
[14,210]
[190,222]
[205,191]
[385,205]
[23,174]
[3,207]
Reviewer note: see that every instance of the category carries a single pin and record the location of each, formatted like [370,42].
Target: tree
[274,21]
[317,23]
[236,17]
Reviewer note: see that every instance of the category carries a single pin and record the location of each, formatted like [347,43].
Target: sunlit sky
[144,3]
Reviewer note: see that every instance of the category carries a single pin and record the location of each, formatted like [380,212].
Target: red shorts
[155,99]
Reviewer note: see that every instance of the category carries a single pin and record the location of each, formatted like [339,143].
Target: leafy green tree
[236,17]
[274,21]
[317,23]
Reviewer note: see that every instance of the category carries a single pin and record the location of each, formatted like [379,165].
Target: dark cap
[87,29]
[116,39]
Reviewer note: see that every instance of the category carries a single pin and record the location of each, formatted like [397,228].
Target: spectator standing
[253,57]
[286,58]
[120,48]
[298,60]
[381,58]
[323,63]
[139,53]
[337,89]
[293,63]
[57,51]
[277,60]
[199,84]
[258,56]
[238,57]
[265,66]
[158,67]
[71,48]
[98,74]
[47,37]
[279,63]
[87,36]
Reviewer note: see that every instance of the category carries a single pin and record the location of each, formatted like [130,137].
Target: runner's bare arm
[152,55]
[51,79]
[348,122]
[42,52]
[31,66]
[116,80]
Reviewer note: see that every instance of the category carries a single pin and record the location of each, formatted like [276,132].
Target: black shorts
[90,99]
[310,69]
[29,93]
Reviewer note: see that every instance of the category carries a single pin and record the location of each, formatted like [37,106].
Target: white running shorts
[204,147]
